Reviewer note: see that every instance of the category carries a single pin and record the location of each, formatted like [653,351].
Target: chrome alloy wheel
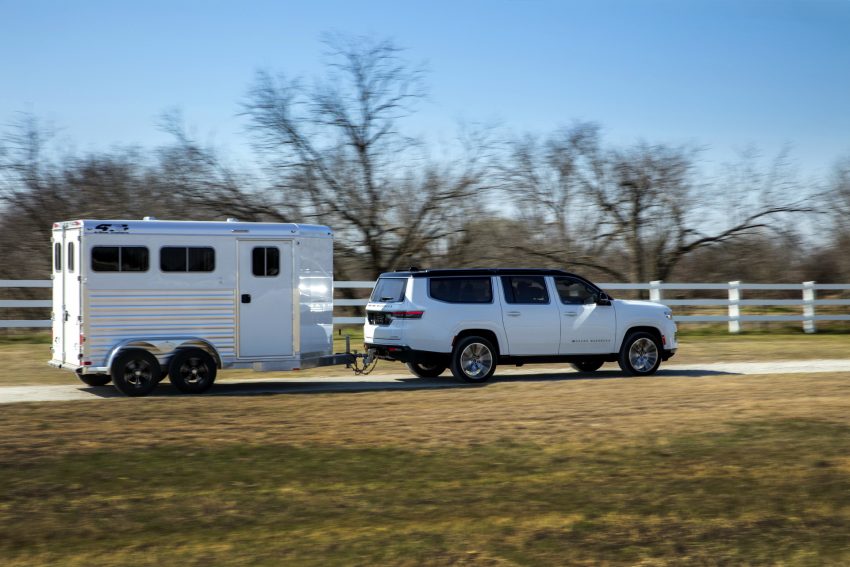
[643,354]
[138,373]
[476,360]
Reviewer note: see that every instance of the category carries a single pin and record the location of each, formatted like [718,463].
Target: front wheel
[473,360]
[136,372]
[640,354]
[426,370]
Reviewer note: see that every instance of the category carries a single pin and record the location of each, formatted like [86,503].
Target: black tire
[192,370]
[473,360]
[426,370]
[95,379]
[588,365]
[136,372]
[640,354]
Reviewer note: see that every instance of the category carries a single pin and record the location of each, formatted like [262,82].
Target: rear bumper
[77,368]
[403,353]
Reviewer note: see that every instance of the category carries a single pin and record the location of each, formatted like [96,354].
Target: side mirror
[603,299]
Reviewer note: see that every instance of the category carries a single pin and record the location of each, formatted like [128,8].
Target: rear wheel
[473,360]
[423,370]
[192,370]
[95,379]
[640,354]
[588,365]
[136,372]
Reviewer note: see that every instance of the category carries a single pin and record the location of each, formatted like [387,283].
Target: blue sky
[723,75]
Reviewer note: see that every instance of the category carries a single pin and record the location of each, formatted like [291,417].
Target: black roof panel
[430,273]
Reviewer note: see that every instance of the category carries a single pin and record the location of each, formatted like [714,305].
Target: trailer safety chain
[368,364]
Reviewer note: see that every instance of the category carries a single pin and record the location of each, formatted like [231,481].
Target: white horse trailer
[134,300]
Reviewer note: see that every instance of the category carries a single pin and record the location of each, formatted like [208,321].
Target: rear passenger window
[119,259]
[525,289]
[186,259]
[265,261]
[461,290]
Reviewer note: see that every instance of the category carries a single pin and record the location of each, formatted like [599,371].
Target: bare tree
[340,158]
[632,213]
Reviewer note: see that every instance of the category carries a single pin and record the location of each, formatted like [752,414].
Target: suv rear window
[461,290]
[389,290]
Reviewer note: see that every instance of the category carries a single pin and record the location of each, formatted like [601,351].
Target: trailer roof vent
[232,219]
[148,218]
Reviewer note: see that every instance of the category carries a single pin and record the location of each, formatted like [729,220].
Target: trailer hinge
[80,318]
[79,278]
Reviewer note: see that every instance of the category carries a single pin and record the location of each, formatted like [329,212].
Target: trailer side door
[265,298]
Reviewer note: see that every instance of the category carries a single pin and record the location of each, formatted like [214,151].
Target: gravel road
[295,385]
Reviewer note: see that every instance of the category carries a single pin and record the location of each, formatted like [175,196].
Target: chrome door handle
[570,313]
[513,313]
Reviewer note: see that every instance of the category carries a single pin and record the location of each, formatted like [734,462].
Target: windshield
[389,290]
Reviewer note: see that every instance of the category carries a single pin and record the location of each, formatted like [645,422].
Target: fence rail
[807,302]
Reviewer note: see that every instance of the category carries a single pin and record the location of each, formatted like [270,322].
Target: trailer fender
[162,348]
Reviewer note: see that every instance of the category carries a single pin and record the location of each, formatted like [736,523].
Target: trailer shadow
[392,383]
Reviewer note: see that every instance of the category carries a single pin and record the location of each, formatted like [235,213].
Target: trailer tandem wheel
[192,370]
[136,372]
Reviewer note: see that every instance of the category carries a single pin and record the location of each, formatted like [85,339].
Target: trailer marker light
[87,363]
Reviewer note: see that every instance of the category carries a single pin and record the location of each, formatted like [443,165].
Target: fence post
[809,307]
[734,311]
[655,291]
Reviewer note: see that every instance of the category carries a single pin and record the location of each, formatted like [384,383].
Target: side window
[119,259]
[186,259]
[57,257]
[525,289]
[461,290]
[134,259]
[574,292]
[70,260]
[265,261]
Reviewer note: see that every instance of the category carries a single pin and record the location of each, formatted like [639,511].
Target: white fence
[807,303]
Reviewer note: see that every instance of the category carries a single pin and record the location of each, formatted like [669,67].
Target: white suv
[471,320]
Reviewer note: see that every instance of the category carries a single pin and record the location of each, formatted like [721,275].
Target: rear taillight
[407,314]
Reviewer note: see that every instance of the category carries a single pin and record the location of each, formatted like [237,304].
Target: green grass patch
[762,492]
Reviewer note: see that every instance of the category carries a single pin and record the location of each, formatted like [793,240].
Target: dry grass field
[715,470]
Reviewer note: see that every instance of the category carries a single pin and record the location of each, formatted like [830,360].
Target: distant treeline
[336,153]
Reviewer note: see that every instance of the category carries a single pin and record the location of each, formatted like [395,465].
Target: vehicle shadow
[266,387]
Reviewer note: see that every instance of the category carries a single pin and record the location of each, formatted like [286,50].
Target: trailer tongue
[136,300]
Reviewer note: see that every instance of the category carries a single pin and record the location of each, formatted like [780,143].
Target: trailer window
[265,261]
[57,257]
[461,290]
[186,259]
[70,260]
[119,259]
